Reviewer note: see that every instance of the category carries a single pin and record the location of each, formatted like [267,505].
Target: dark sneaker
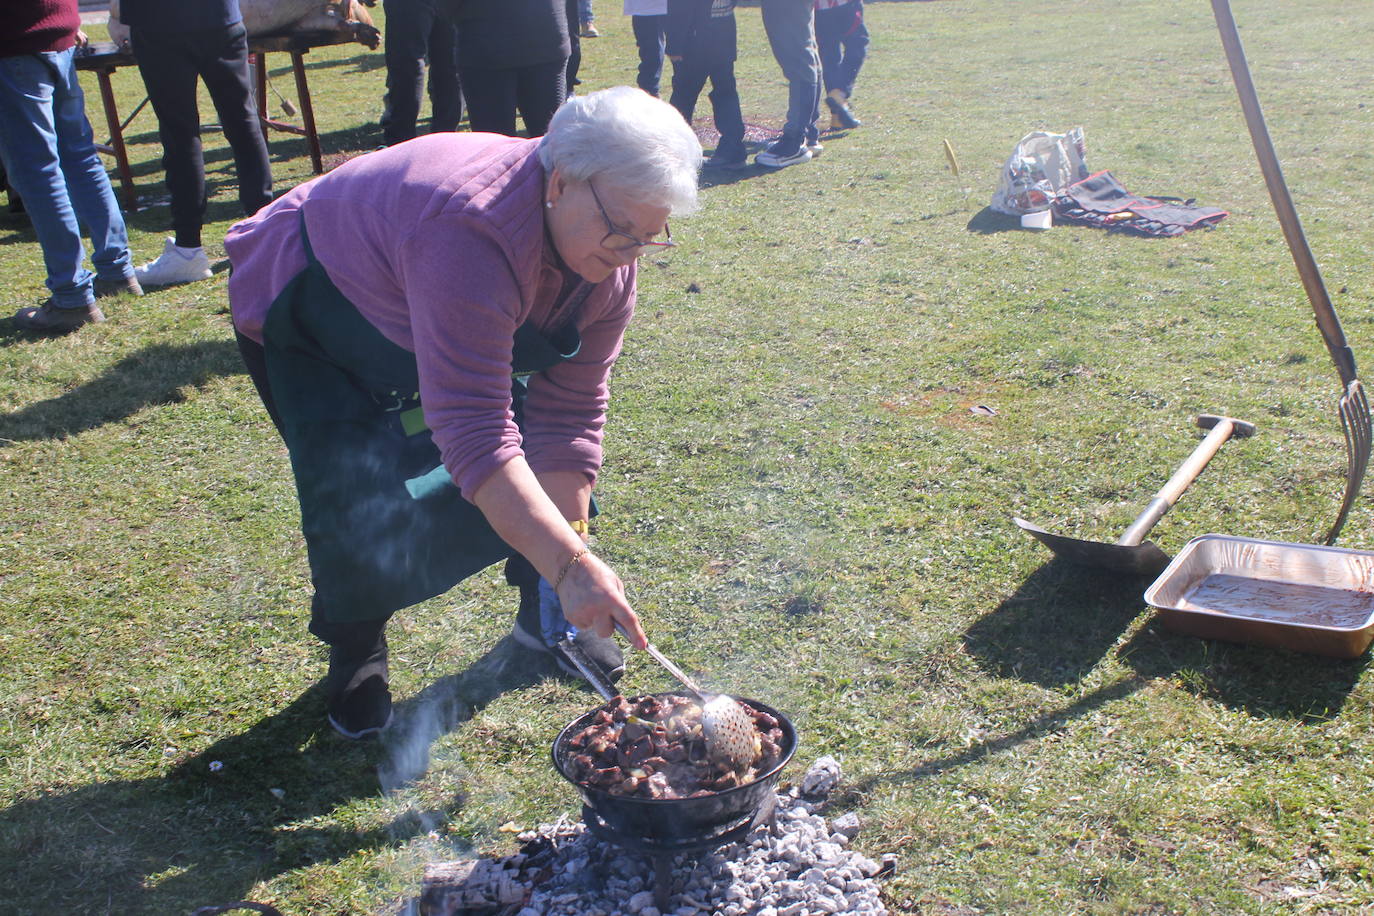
[783,153]
[841,118]
[123,286]
[49,319]
[529,632]
[359,696]
[728,160]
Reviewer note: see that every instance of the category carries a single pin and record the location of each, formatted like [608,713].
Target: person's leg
[725,109]
[357,687]
[88,187]
[830,26]
[405,46]
[490,94]
[540,91]
[791,35]
[169,76]
[689,76]
[445,91]
[29,147]
[855,42]
[586,18]
[649,39]
[224,67]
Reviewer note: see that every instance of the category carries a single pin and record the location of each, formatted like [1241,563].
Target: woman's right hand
[593,598]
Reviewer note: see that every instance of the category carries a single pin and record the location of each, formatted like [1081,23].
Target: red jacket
[32,26]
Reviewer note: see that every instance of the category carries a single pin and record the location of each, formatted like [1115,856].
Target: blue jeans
[790,26]
[584,13]
[49,154]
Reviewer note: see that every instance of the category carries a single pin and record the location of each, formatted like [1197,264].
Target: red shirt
[32,26]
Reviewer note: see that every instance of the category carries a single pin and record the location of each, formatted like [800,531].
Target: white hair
[630,139]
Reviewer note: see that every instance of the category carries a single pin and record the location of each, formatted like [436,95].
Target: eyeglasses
[621,242]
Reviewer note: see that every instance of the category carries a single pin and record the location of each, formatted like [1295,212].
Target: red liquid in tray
[1288,602]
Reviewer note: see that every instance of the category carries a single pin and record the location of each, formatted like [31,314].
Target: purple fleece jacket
[440,244]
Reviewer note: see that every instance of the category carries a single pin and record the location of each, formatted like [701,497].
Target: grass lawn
[796,491]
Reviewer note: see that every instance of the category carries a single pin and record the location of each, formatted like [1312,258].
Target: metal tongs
[732,738]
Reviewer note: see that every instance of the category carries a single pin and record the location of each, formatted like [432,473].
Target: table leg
[307,111]
[126,175]
[260,83]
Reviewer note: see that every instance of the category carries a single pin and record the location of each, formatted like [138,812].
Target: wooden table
[103,58]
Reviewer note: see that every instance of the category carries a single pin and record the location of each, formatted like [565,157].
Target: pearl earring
[549,204]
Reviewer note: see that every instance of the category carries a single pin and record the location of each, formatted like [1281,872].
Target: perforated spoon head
[732,738]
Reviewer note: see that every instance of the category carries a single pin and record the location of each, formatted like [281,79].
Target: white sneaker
[175,265]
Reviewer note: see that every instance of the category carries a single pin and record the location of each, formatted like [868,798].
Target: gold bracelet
[579,525]
[567,567]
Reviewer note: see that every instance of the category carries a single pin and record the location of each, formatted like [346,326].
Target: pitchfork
[1354,406]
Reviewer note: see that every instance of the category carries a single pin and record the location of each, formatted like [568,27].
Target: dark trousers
[495,95]
[712,56]
[649,38]
[170,63]
[417,32]
[842,41]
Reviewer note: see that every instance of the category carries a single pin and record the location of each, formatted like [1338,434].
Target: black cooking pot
[668,820]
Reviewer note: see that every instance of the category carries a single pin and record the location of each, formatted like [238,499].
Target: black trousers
[712,56]
[170,63]
[494,96]
[416,32]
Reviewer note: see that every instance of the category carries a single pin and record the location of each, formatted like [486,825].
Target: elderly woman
[431,328]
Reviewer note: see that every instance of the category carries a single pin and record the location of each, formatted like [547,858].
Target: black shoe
[49,319]
[599,649]
[782,153]
[359,697]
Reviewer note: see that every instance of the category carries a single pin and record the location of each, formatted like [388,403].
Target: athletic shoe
[49,319]
[359,695]
[589,31]
[529,632]
[815,148]
[175,265]
[841,118]
[124,285]
[783,153]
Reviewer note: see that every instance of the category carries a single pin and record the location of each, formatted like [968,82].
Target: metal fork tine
[1359,434]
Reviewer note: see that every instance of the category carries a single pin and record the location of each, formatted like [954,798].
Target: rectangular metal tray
[1293,596]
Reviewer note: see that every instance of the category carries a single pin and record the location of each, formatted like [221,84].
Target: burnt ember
[653,747]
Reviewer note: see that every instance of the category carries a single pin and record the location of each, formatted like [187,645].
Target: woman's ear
[556,186]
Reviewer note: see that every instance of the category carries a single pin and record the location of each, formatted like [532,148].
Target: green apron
[384,524]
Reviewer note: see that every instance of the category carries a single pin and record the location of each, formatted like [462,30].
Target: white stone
[640,901]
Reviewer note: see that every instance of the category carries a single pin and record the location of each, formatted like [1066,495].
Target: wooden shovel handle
[1168,494]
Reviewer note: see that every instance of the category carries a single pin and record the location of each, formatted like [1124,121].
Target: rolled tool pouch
[1100,200]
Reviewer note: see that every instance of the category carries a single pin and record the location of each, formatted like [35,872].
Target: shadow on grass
[251,806]
[153,375]
[988,221]
[1262,682]
[1058,624]
[1065,618]
[1046,724]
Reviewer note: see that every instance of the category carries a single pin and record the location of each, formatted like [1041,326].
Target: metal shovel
[1132,553]
[1353,406]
